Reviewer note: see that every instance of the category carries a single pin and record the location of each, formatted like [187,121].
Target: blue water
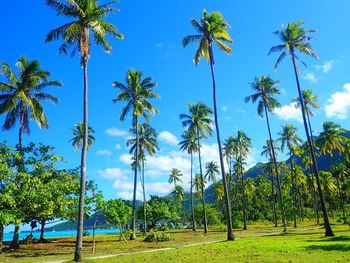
[60,233]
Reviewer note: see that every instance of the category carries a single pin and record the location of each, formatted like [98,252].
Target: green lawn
[254,245]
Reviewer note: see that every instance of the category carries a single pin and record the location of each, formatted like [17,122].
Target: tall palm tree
[174,176]
[295,38]
[229,152]
[78,136]
[189,144]
[264,91]
[199,122]
[212,29]
[87,20]
[267,151]
[197,185]
[147,144]
[289,138]
[211,168]
[20,99]
[244,143]
[136,93]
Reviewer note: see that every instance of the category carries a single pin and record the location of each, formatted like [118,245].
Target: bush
[157,237]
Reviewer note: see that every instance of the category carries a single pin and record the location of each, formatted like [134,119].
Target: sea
[60,233]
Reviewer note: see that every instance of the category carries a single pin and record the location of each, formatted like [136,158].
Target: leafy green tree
[212,29]
[190,145]
[117,212]
[174,176]
[199,122]
[78,136]
[211,168]
[136,93]
[87,21]
[265,89]
[213,215]
[295,38]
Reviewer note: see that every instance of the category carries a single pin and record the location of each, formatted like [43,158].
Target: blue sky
[153,33]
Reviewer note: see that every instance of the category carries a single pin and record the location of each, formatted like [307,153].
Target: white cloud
[326,66]
[126,158]
[168,137]
[117,147]
[310,76]
[338,104]
[116,132]
[288,112]
[104,152]
[114,173]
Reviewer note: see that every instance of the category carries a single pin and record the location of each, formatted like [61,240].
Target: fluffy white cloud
[104,152]
[126,158]
[338,104]
[326,66]
[288,112]
[310,76]
[114,173]
[168,137]
[116,132]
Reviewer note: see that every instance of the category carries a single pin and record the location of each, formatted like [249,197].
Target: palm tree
[20,99]
[190,145]
[295,38]
[174,176]
[87,20]
[147,144]
[229,152]
[78,136]
[290,139]
[199,122]
[178,193]
[197,184]
[136,93]
[211,168]
[212,29]
[267,151]
[243,144]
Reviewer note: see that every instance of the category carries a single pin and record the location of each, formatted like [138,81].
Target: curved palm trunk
[230,235]
[79,239]
[284,221]
[202,188]
[243,198]
[144,197]
[273,201]
[329,231]
[191,193]
[293,188]
[133,235]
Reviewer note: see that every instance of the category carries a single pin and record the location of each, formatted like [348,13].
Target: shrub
[157,237]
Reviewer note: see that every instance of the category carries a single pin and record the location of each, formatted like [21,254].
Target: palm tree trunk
[144,197]
[273,198]
[329,231]
[292,174]
[191,193]
[230,235]
[202,188]
[243,196]
[93,236]
[79,239]
[284,221]
[133,235]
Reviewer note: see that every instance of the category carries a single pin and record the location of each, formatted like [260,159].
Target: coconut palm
[190,145]
[78,136]
[211,168]
[295,38]
[197,185]
[243,144]
[199,122]
[212,30]
[147,144]
[174,176]
[178,193]
[87,21]
[229,152]
[265,89]
[289,138]
[20,99]
[136,92]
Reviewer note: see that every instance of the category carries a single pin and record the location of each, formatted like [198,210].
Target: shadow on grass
[335,247]
[333,239]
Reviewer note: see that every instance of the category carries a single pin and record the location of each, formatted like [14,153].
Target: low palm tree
[87,21]
[229,153]
[147,144]
[20,99]
[178,193]
[189,144]
[211,169]
[295,38]
[78,136]
[289,138]
[265,89]
[136,93]
[199,122]
[174,176]
[212,29]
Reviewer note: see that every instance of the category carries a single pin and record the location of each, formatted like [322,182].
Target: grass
[261,243]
